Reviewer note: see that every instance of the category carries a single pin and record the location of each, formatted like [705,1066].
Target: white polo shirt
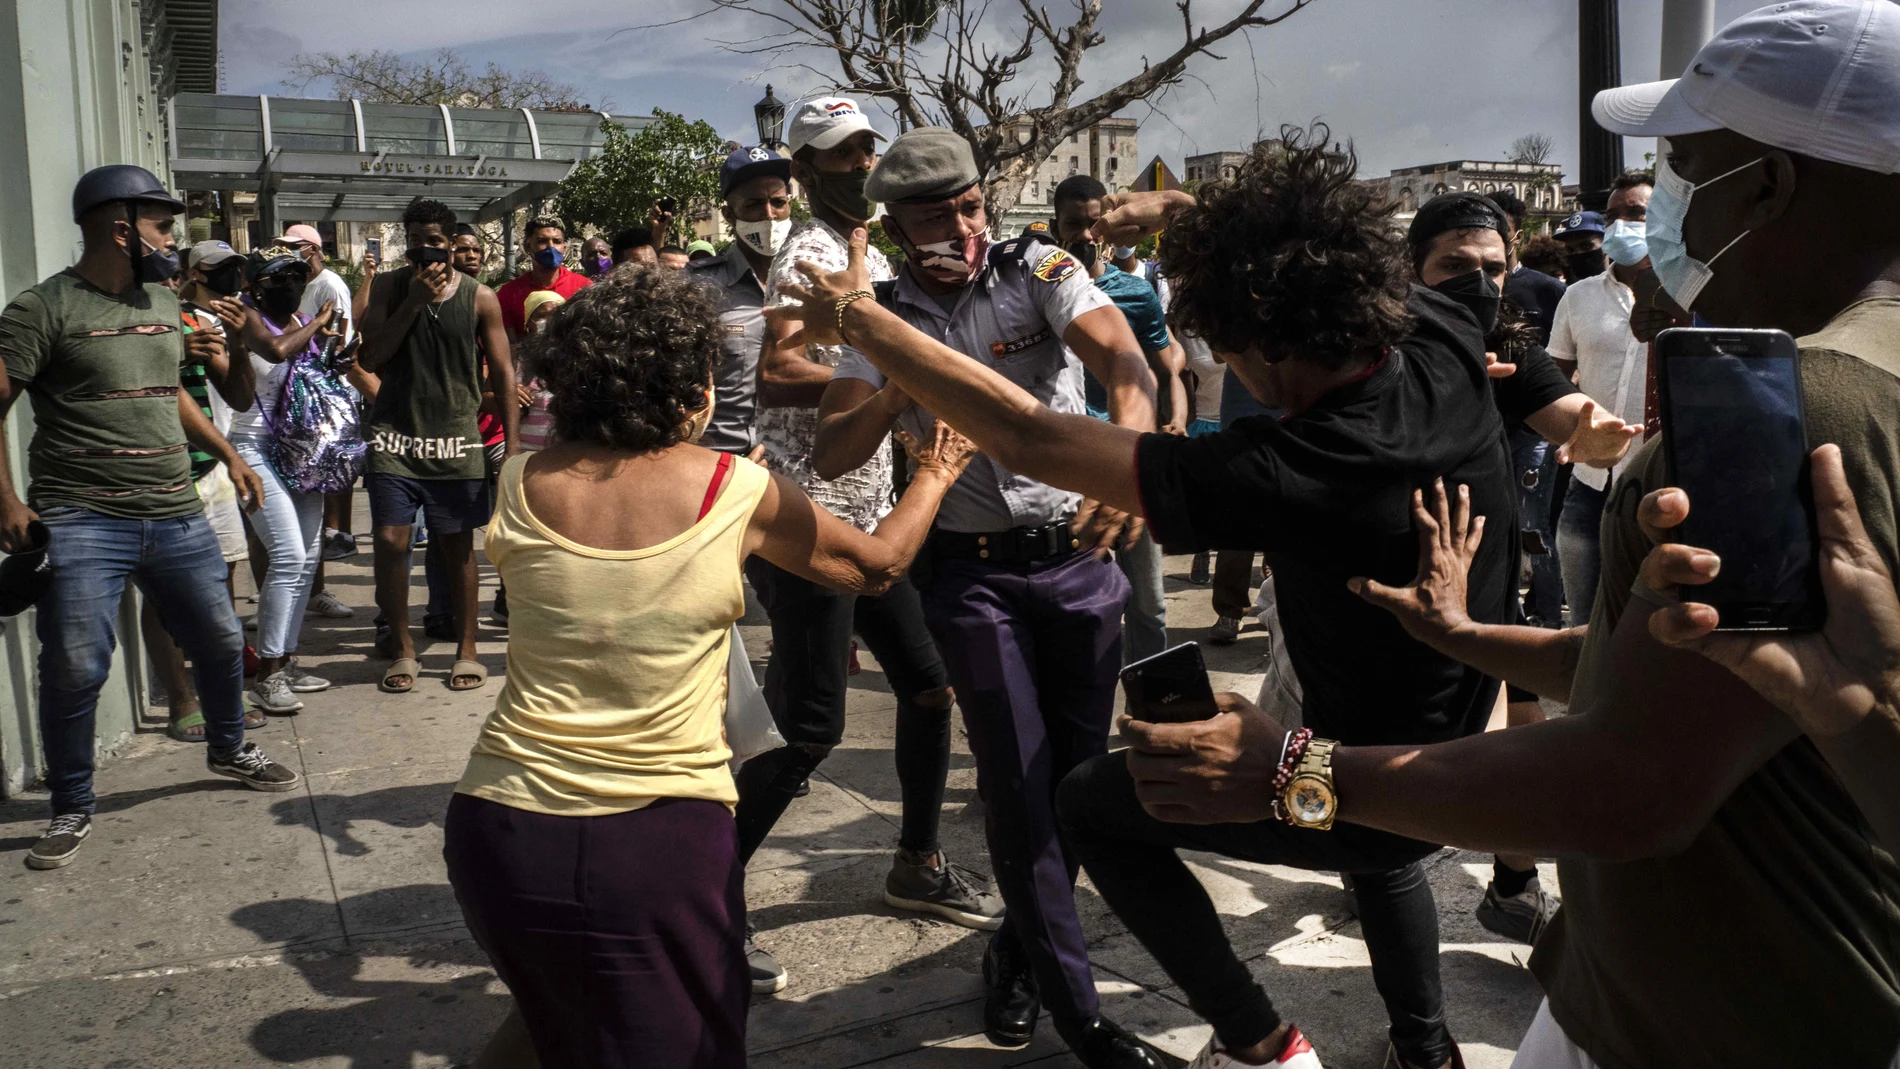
[1592,328]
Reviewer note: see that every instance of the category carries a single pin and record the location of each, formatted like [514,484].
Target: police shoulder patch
[1056,266]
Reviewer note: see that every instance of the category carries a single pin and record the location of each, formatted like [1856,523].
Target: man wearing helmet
[98,348]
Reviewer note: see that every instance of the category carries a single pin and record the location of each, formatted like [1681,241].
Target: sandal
[407,667]
[180,730]
[461,669]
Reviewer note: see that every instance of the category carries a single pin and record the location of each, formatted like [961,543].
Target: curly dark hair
[628,359]
[422,211]
[1544,253]
[1292,257]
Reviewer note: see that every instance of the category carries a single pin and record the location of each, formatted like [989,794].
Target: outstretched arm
[1073,452]
[1431,607]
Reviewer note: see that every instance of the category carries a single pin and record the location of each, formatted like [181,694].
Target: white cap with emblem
[1820,78]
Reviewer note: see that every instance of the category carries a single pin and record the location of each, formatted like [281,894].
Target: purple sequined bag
[316,437]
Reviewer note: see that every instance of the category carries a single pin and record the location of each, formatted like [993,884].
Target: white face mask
[1681,274]
[764,237]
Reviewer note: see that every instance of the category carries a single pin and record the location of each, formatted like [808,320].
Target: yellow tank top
[616,686]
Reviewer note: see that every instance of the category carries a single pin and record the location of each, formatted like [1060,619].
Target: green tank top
[423,424]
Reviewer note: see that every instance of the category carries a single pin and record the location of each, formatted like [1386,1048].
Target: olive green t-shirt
[102,372]
[1774,939]
[423,424]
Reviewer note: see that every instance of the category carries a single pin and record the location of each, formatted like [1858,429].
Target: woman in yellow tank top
[590,841]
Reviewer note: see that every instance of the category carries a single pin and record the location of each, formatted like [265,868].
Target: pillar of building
[1599,67]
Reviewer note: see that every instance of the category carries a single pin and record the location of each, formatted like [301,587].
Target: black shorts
[449,506]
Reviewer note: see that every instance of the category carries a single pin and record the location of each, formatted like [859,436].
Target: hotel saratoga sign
[449,167]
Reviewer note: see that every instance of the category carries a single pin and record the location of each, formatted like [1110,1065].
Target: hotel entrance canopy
[339,160]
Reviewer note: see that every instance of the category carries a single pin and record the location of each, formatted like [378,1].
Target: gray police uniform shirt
[1010,318]
[734,426]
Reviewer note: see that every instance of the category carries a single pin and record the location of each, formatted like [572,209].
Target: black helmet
[25,575]
[120,182]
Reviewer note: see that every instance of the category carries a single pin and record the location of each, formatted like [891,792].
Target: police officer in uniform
[1027,613]
[755,192]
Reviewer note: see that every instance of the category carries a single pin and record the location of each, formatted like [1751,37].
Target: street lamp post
[1599,67]
[770,115]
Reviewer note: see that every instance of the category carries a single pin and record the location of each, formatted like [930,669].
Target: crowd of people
[970,458]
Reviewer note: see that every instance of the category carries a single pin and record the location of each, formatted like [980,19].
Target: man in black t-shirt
[1295,270]
[1459,244]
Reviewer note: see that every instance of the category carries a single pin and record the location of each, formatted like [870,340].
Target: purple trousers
[620,937]
[1033,651]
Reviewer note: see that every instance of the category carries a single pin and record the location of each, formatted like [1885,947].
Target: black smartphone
[374,246]
[428,254]
[1169,688]
[1735,439]
[669,205]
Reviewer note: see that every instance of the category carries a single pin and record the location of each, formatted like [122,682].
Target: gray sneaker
[248,765]
[60,842]
[302,682]
[1521,916]
[947,890]
[1225,632]
[272,694]
[768,976]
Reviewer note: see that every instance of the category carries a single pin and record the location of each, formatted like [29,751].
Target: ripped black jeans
[805,684]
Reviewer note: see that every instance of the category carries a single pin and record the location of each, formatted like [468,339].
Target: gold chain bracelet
[844,302]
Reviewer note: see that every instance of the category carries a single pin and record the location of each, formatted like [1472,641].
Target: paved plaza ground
[208,925]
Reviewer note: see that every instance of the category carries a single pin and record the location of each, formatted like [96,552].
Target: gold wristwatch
[1308,799]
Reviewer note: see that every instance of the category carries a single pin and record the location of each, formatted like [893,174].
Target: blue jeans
[177,564]
[1145,621]
[1577,548]
[1535,462]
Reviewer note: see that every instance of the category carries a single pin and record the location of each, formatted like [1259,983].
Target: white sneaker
[272,694]
[302,682]
[1297,1055]
[326,604]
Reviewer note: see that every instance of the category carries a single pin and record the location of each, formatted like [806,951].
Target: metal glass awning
[347,160]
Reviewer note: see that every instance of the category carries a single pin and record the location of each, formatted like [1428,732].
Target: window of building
[1112,161]
[1075,164]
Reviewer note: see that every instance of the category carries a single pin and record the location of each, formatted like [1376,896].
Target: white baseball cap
[824,122]
[1816,77]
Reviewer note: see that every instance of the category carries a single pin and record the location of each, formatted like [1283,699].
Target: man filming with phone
[1726,901]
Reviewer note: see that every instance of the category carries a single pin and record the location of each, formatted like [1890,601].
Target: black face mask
[1479,295]
[225,279]
[1084,252]
[280,302]
[1581,265]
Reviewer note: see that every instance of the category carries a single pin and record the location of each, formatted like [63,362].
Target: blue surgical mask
[549,258]
[1626,243]
[1681,274]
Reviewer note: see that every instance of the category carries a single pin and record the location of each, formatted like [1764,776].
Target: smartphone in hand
[1735,439]
[1169,688]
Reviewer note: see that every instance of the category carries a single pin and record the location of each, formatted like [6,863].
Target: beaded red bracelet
[1296,744]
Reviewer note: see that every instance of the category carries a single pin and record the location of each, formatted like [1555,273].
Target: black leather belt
[1018,545]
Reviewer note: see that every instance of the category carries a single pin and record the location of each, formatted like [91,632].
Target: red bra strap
[718,480]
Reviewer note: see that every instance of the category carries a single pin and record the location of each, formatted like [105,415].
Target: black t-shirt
[1536,295]
[1536,383]
[1327,495]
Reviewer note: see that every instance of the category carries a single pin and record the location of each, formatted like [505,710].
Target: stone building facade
[1109,151]
[1540,185]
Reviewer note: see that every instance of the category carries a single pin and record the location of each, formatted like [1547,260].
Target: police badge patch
[1056,266]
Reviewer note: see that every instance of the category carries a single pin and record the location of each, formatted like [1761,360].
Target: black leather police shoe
[1103,1044]
[1012,1005]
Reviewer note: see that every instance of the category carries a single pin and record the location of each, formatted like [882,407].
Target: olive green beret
[925,164]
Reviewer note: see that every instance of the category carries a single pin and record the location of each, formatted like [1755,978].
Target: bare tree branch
[972,87]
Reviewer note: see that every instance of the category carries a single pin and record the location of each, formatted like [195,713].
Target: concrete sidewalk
[208,925]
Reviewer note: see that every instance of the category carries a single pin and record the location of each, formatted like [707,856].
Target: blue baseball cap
[746,164]
[1582,223]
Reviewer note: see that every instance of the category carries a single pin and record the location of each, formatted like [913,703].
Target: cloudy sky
[1410,81]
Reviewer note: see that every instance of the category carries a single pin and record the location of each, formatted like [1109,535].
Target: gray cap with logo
[927,164]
